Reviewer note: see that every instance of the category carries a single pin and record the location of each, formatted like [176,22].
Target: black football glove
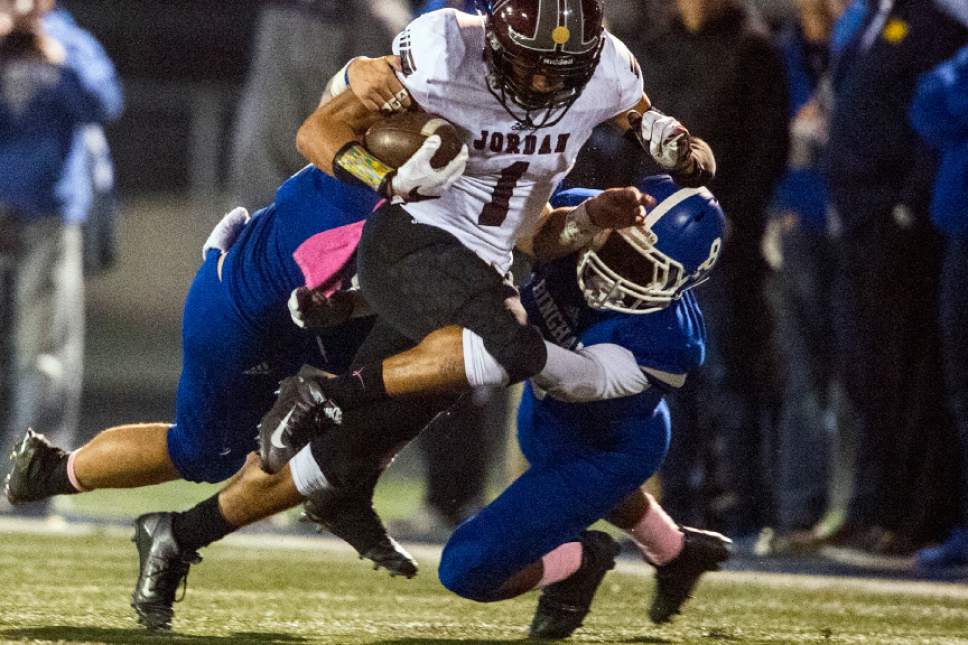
[311,309]
[301,411]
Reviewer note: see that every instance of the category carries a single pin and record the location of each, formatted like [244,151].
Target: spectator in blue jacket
[939,113]
[55,79]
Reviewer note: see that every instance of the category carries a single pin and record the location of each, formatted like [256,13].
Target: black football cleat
[163,568]
[33,460]
[359,526]
[702,551]
[302,409]
[563,605]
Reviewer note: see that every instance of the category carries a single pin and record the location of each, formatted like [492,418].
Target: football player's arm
[331,139]
[593,373]
[333,128]
[375,83]
[564,230]
[688,159]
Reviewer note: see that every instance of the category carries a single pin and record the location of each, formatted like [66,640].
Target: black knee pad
[522,354]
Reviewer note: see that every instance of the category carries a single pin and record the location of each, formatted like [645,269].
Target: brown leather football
[394,139]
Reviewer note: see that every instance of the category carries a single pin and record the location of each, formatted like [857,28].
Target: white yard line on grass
[431,554]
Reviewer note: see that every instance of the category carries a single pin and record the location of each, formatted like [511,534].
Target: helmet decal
[554,29]
[714,248]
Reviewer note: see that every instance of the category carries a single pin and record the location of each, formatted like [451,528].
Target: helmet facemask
[624,271]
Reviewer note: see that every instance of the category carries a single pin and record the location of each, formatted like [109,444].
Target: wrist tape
[579,228]
[354,163]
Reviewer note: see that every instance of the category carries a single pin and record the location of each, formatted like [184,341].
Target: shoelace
[184,588]
[183,583]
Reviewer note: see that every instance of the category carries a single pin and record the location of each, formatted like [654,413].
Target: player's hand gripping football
[664,137]
[417,180]
[301,411]
[619,207]
[375,83]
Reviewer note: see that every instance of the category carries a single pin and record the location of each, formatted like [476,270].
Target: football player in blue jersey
[238,342]
[590,448]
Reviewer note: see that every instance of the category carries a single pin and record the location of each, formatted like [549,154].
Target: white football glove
[416,179]
[224,234]
[667,138]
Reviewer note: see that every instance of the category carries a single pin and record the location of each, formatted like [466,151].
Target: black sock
[200,525]
[56,481]
[357,387]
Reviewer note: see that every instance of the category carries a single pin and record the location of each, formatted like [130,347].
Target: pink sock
[72,476]
[657,535]
[560,563]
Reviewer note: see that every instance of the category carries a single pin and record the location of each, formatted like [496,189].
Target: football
[394,139]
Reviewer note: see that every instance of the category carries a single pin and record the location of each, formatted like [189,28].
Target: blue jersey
[261,270]
[667,344]
[237,337]
[670,341]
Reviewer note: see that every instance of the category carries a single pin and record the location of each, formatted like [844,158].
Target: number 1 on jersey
[496,210]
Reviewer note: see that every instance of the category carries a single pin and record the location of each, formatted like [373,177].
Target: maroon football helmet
[540,54]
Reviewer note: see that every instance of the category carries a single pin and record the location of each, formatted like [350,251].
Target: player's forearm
[594,373]
[563,231]
[332,126]
[568,229]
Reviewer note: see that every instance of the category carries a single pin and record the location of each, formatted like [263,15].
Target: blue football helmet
[645,268]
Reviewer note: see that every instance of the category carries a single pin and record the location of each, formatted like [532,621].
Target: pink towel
[323,257]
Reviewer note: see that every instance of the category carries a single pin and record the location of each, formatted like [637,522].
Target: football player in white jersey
[525,84]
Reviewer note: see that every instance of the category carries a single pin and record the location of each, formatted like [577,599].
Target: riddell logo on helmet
[558,61]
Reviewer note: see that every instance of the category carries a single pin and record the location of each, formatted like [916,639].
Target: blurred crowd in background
[833,407]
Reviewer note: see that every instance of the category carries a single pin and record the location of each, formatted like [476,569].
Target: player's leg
[420,279]
[168,543]
[500,552]
[219,403]
[338,478]
[357,461]
[369,437]
[680,554]
[533,537]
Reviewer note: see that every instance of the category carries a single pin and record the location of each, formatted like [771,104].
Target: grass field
[74,588]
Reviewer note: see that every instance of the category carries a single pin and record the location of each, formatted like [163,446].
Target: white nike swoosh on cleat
[276,438]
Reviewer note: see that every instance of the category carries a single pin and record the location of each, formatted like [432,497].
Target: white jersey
[511,172]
